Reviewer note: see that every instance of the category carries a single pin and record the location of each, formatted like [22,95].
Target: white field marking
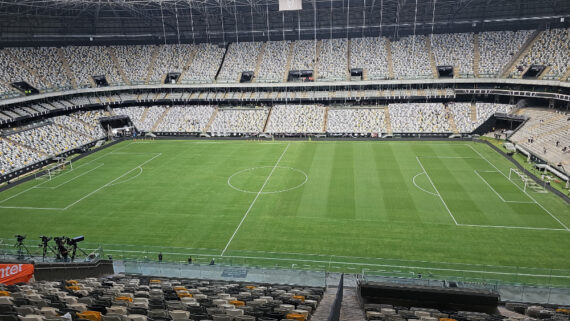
[129,179]
[273,192]
[499,195]
[515,227]
[111,182]
[351,263]
[28,189]
[435,189]
[134,153]
[414,181]
[33,208]
[532,198]
[72,179]
[453,157]
[254,200]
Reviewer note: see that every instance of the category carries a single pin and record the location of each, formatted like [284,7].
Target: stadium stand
[410,58]
[376,311]
[241,56]
[14,156]
[235,120]
[303,55]
[144,118]
[12,70]
[332,64]
[418,118]
[545,134]
[86,62]
[454,49]
[205,64]
[274,61]
[498,48]
[356,120]
[551,50]
[135,61]
[171,58]
[187,119]
[46,62]
[141,299]
[289,119]
[370,54]
[65,133]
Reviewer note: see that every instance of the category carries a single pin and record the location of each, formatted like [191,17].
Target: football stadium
[221,160]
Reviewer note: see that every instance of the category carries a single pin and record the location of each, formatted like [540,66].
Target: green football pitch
[443,208]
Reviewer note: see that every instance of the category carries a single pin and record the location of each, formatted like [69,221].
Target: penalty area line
[527,194]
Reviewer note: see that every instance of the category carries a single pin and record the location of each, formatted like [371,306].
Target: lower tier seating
[143,299]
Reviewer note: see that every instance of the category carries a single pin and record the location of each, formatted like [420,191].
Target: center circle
[252,180]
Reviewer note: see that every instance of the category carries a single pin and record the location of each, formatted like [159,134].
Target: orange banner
[15,273]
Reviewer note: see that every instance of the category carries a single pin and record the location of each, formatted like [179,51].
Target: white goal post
[516,176]
[62,165]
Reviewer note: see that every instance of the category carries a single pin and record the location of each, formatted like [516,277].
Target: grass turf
[394,207]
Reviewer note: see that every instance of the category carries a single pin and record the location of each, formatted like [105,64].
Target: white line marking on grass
[452,157]
[69,180]
[499,195]
[515,227]
[111,182]
[255,199]
[33,208]
[532,198]
[438,194]
[272,192]
[129,179]
[414,181]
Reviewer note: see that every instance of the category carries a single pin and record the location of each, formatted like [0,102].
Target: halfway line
[255,199]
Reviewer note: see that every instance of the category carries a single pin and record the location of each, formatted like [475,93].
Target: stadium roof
[156,21]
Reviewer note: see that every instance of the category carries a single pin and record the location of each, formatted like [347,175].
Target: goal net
[61,166]
[524,182]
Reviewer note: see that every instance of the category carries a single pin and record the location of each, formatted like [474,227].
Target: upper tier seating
[410,58]
[370,55]
[498,48]
[46,62]
[454,49]
[418,118]
[290,119]
[171,58]
[333,64]
[546,134]
[550,49]
[241,56]
[205,64]
[274,61]
[86,62]
[235,120]
[189,119]
[11,71]
[135,61]
[356,120]
[303,55]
